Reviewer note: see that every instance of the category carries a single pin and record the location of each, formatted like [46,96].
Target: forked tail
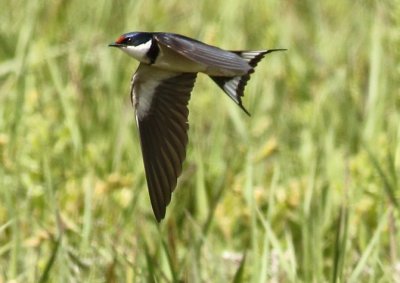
[234,86]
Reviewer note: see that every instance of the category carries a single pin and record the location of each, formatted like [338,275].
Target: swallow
[160,93]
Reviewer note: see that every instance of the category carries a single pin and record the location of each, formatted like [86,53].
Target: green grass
[305,190]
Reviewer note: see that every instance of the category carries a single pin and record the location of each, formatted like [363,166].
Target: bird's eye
[124,40]
[130,41]
[133,40]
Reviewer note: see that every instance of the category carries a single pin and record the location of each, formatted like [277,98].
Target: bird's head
[135,44]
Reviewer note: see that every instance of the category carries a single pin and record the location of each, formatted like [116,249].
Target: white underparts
[145,97]
[138,52]
[145,82]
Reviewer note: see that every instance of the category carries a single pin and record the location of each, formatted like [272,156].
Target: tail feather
[234,86]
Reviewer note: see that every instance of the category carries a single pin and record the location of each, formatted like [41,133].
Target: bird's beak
[115,45]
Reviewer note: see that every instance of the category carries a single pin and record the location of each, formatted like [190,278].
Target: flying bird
[160,92]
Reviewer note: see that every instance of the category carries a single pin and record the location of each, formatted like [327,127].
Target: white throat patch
[138,52]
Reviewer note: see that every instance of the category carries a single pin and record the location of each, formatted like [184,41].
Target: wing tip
[159,217]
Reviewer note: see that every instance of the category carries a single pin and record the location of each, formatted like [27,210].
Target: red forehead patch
[120,39]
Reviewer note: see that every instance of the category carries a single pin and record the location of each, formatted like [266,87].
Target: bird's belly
[172,61]
[183,66]
[177,63]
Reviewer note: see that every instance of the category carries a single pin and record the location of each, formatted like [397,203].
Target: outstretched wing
[160,99]
[202,53]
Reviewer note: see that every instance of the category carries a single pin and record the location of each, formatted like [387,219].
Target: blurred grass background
[305,190]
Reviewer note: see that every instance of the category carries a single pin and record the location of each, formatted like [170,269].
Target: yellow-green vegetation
[304,190]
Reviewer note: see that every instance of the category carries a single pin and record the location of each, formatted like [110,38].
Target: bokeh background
[304,190]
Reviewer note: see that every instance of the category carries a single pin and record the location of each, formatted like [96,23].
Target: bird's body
[160,93]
